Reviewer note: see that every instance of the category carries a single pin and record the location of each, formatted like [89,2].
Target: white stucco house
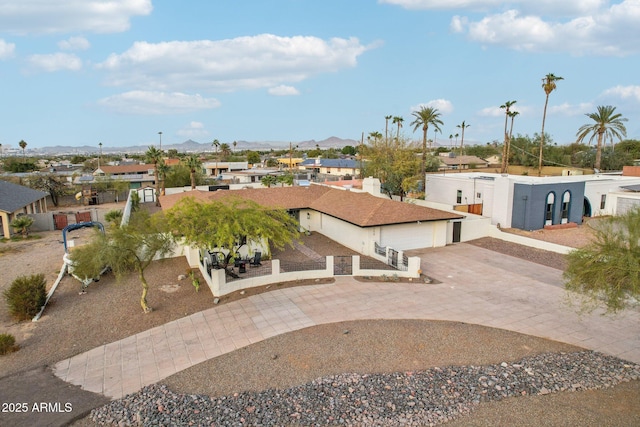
[357,220]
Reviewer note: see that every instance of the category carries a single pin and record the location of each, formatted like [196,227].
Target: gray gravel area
[414,398]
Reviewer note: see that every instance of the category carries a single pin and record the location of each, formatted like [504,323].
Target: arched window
[548,215]
[566,203]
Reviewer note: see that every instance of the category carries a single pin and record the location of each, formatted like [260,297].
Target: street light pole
[100,155]
[160,133]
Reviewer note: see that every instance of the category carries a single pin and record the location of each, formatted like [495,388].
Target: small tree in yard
[609,268]
[26,296]
[22,224]
[230,223]
[126,249]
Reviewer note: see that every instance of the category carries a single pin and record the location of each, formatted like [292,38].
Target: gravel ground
[111,311]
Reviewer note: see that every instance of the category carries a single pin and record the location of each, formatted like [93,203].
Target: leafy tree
[423,118]
[154,156]
[172,153]
[193,163]
[286,179]
[126,249]
[180,176]
[631,147]
[253,157]
[608,124]
[15,166]
[230,223]
[609,267]
[548,85]
[395,164]
[49,183]
[77,159]
[22,224]
[348,150]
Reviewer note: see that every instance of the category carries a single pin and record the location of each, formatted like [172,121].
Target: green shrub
[7,344]
[26,295]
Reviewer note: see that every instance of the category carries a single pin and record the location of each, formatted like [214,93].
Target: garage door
[409,236]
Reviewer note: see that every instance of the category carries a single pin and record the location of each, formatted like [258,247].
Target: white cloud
[63,16]
[6,49]
[250,62]
[74,43]
[193,130]
[283,90]
[624,92]
[546,7]
[571,110]
[444,106]
[596,29]
[147,102]
[55,62]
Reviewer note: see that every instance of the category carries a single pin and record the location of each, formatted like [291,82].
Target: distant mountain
[194,146]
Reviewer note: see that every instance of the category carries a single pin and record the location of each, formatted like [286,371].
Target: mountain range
[190,146]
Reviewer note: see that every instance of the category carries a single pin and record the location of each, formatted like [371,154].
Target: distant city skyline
[80,73]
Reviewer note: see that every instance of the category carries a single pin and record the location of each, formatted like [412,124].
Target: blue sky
[81,72]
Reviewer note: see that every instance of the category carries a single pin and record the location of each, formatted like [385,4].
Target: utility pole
[160,133]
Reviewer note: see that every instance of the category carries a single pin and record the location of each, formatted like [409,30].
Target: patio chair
[255,261]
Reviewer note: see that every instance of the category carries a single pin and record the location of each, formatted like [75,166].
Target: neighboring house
[17,200]
[334,167]
[248,176]
[450,161]
[527,202]
[357,220]
[216,169]
[137,175]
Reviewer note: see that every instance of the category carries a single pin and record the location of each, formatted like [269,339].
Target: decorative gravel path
[429,397]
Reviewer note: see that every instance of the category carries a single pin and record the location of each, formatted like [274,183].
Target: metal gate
[83,217]
[60,221]
[393,258]
[342,265]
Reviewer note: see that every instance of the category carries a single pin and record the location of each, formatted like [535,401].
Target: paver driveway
[477,286]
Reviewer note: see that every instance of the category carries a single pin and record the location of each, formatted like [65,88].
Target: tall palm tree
[398,120]
[193,163]
[163,170]
[154,156]
[608,124]
[216,144]
[507,107]
[386,127]
[548,85]
[462,126]
[23,145]
[375,136]
[235,144]
[423,118]
[513,115]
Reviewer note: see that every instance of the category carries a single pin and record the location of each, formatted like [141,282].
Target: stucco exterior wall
[529,204]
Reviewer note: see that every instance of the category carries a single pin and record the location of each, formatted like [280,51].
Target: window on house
[478,195]
[459,196]
[603,200]
[548,217]
[566,202]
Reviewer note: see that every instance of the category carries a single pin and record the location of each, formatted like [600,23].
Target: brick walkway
[509,293]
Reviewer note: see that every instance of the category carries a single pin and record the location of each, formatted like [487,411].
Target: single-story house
[336,167]
[138,175]
[218,168]
[18,200]
[357,220]
[450,161]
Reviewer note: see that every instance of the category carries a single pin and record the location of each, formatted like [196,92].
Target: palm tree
[235,143]
[398,120]
[375,136]
[216,144]
[23,145]
[462,126]
[386,127]
[451,141]
[513,115]
[423,118]
[548,85]
[507,107]
[163,170]
[225,151]
[608,124]
[154,156]
[193,163]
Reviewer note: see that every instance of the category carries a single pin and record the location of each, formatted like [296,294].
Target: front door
[457,231]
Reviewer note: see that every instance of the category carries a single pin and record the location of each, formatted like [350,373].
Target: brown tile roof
[361,209]
[465,160]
